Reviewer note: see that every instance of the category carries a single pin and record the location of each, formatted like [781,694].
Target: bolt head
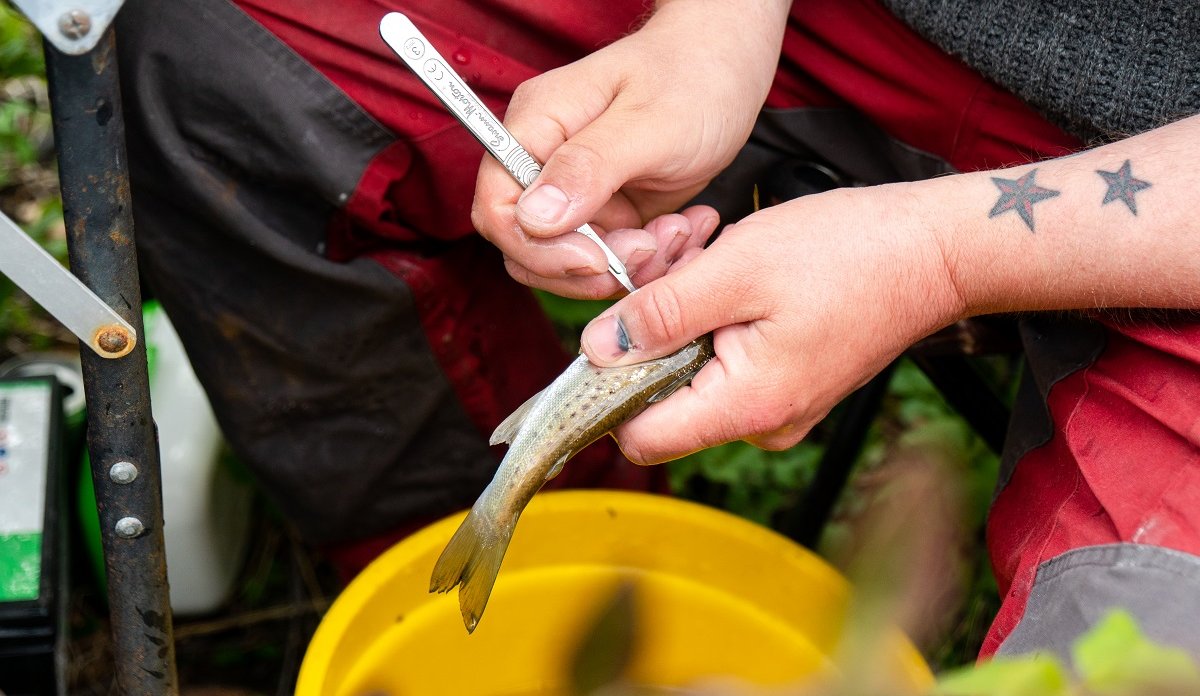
[123,472]
[75,24]
[113,340]
[129,527]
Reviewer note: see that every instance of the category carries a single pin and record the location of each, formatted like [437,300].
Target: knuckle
[766,414]
[523,95]
[663,314]
[480,219]
[577,161]
[518,272]
[762,420]
[777,442]
[633,452]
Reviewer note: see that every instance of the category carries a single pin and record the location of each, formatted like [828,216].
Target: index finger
[700,415]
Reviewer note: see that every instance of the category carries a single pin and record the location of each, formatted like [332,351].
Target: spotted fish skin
[583,404]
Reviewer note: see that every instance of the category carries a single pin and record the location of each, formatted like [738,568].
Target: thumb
[582,174]
[662,317]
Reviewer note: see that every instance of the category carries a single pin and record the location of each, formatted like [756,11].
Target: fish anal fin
[509,427]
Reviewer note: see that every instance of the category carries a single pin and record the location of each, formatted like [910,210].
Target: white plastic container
[206,510]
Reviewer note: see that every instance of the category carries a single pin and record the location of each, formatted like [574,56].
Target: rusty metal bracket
[63,295]
[72,26]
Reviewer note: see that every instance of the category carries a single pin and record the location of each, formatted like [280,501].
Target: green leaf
[1037,675]
[570,314]
[20,47]
[1115,657]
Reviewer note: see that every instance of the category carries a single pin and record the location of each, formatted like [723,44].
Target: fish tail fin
[472,560]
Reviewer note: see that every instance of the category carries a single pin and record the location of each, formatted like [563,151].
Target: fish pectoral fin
[671,388]
[509,427]
[558,467]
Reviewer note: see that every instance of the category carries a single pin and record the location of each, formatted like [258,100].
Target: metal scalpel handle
[424,60]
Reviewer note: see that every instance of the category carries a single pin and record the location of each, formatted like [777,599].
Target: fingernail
[606,338]
[709,225]
[639,257]
[584,271]
[545,202]
[623,342]
[677,242]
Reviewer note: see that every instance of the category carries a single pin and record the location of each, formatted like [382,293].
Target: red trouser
[1134,405]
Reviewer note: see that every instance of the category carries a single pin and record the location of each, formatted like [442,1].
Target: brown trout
[578,408]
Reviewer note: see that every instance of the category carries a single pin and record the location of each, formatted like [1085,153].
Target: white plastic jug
[206,510]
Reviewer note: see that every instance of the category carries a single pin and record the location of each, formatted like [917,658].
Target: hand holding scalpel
[403,37]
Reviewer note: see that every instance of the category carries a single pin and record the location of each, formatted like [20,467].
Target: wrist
[930,254]
[1104,228]
[745,37]
[977,269]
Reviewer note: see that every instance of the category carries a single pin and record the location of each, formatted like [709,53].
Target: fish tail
[472,560]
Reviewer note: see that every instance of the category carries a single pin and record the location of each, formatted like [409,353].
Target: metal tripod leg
[90,138]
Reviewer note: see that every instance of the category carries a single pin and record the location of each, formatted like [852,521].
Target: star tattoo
[1122,186]
[1020,195]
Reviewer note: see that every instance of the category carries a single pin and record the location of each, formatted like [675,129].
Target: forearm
[1110,227]
[746,36]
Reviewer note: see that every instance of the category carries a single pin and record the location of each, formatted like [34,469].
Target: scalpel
[403,37]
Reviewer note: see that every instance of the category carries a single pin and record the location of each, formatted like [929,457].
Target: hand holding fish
[630,132]
[808,299]
[805,300]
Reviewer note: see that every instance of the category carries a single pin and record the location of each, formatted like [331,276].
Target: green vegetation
[28,183]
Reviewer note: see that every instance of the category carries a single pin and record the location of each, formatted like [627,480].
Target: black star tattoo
[1020,195]
[1122,186]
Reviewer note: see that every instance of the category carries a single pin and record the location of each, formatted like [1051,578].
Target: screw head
[75,24]
[123,472]
[129,527]
[113,340]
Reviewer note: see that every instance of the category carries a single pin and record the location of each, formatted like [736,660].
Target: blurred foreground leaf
[1116,658]
[607,646]
[1042,675]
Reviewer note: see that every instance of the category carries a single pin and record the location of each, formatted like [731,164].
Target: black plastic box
[33,629]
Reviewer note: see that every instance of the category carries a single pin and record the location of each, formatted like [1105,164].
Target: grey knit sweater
[1101,69]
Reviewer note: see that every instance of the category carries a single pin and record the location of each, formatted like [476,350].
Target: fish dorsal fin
[558,466]
[509,427]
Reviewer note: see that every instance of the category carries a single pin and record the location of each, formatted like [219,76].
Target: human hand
[806,301]
[626,134]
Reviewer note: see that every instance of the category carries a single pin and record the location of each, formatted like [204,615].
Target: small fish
[578,408]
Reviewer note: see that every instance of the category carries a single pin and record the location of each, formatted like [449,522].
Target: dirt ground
[252,645]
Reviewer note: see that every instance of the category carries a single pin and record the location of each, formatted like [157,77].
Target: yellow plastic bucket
[716,597]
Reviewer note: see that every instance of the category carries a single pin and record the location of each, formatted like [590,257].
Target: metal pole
[89,134]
